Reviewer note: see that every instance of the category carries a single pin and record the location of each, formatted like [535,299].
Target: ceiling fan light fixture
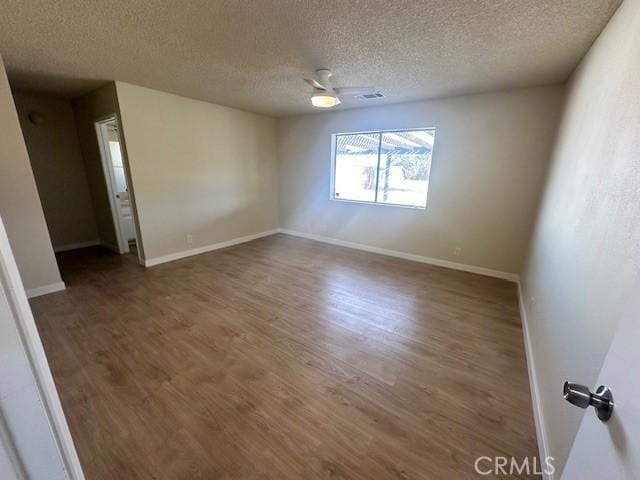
[324,99]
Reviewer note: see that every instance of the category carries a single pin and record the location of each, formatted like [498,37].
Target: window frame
[332,188]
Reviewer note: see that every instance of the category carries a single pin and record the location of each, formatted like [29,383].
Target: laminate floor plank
[282,359]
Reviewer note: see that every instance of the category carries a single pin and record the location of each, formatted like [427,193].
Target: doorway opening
[117,180]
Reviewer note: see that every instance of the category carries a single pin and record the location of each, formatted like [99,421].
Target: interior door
[611,450]
[121,191]
[35,442]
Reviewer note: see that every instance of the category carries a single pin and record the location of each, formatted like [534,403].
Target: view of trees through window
[389,167]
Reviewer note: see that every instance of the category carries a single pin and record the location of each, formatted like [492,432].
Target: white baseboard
[150,262]
[541,434]
[110,246]
[512,277]
[38,291]
[76,246]
[91,243]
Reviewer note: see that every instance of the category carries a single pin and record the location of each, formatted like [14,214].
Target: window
[387,167]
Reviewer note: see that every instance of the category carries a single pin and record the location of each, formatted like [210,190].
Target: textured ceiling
[252,54]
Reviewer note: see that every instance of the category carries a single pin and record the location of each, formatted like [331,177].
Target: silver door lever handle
[581,396]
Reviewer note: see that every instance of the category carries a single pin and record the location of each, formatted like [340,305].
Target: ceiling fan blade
[354,90]
[315,84]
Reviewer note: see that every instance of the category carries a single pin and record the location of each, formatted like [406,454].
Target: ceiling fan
[325,95]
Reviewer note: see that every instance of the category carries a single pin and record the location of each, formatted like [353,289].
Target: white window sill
[378,204]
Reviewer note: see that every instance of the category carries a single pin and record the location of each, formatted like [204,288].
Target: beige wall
[88,109]
[56,161]
[20,207]
[489,163]
[197,169]
[585,253]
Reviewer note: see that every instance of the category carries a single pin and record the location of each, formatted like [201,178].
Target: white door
[123,202]
[35,442]
[611,450]
[116,182]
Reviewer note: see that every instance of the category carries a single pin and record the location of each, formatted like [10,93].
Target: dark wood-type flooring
[283,359]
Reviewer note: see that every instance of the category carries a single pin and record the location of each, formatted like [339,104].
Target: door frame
[100,126]
[24,322]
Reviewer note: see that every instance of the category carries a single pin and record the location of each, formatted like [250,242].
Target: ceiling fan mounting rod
[324,75]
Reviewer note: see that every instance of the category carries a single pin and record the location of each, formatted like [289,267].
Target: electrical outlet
[457,251]
[189,239]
